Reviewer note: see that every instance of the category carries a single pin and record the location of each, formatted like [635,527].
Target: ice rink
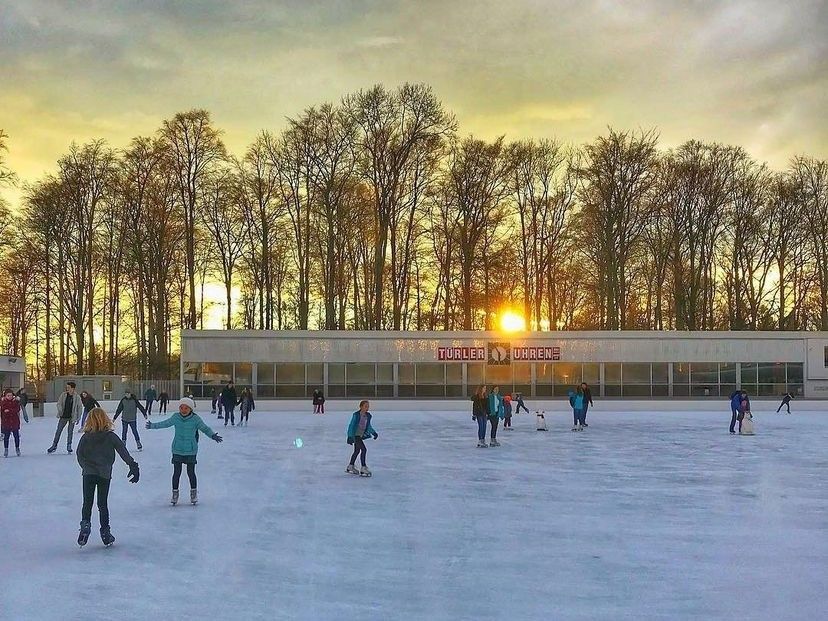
[645,515]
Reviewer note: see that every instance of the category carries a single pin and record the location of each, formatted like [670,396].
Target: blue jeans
[83,418]
[130,424]
[579,416]
[481,428]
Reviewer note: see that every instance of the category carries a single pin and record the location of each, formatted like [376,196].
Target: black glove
[217,438]
[133,475]
[376,435]
[350,440]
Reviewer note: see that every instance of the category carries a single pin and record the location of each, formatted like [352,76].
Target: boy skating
[786,402]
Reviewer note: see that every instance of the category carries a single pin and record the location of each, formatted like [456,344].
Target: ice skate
[140,448]
[5,452]
[193,497]
[85,529]
[574,427]
[482,444]
[494,442]
[351,469]
[174,500]
[51,449]
[69,449]
[106,536]
[18,452]
[364,472]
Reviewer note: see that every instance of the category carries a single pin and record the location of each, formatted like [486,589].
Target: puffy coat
[77,406]
[96,453]
[9,415]
[129,406]
[496,405]
[352,426]
[185,441]
[229,398]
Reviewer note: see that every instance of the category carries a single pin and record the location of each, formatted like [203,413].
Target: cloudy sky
[753,73]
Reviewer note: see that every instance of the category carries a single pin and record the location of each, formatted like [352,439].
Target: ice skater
[229,399]
[576,400]
[507,412]
[496,412]
[89,402]
[69,409]
[23,398]
[735,408]
[318,402]
[480,407]
[246,406]
[786,402]
[185,445]
[541,418]
[163,400]
[96,454]
[150,397]
[587,401]
[10,421]
[129,407]
[520,403]
[360,428]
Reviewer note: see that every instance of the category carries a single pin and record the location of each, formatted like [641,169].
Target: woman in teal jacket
[358,429]
[496,412]
[576,400]
[185,444]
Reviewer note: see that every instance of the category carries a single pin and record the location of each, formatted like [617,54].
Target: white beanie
[188,402]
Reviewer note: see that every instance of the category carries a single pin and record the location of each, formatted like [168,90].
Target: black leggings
[359,449]
[162,407]
[190,474]
[7,435]
[244,415]
[90,483]
[494,420]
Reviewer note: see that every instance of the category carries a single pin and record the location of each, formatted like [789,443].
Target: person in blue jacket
[576,400]
[735,408]
[185,444]
[358,429]
[496,412]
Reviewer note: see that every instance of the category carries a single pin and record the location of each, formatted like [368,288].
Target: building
[434,365]
[12,372]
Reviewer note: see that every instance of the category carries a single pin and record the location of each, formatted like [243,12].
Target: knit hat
[188,402]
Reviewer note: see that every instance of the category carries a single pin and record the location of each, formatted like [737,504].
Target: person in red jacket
[10,421]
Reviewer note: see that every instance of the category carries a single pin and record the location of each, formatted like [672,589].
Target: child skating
[507,412]
[96,454]
[576,400]
[10,421]
[520,403]
[746,420]
[246,406]
[185,444]
[359,429]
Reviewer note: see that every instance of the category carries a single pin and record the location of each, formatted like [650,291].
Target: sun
[512,322]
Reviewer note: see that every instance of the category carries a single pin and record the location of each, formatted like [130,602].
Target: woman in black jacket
[89,402]
[480,405]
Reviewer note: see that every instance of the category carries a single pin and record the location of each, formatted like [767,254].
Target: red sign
[459,354]
[536,353]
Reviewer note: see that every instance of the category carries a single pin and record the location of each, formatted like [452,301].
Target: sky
[752,73]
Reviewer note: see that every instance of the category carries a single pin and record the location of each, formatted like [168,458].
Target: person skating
[10,421]
[576,400]
[496,412]
[89,402]
[129,407]
[96,454]
[163,400]
[69,409]
[229,400]
[185,444]
[318,402]
[213,402]
[150,396]
[587,401]
[480,414]
[507,412]
[23,398]
[246,405]
[735,408]
[786,402]
[360,428]
[520,403]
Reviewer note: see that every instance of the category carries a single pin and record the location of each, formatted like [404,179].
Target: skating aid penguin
[541,420]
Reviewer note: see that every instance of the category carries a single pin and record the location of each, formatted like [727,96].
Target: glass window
[795,372]
[360,391]
[637,373]
[560,390]
[543,390]
[749,388]
[336,390]
[360,373]
[543,372]
[727,373]
[704,373]
[244,373]
[681,390]
[591,373]
[661,390]
[405,370]
[192,372]
[498,375]
[454,374]
[455,390]
[612,390]
[290,373]
[431,390]
[522,372]
[612,373]
[218,372]
[292,391]
[315,374]
[661,373]
[567,374]
[384,390]
[405,390]
[748,373]
[795,389]
[725,390]
[767,390]
[336,374]
[385,373]
[264,373]
[264,390]
[636,390]
[681,373]
[771,372]
[704,390]
[430,373]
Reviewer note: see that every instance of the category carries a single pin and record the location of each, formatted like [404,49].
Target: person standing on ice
[576,400]
[246,405]
[96,454]
[229,399]
[89,402]
[358,429]
[150,397]
[69,409]
[480,408]
[735,408]
[507,412]
[185,445]
[786,402]
[23,398]
[10,421]
[129,406]
[163,400]
[587,401]
[496,412]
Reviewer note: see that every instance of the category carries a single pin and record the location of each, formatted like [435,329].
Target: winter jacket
[588,396]
[77,406]
[787,398]
[130,406]
[229,398]
[185,441]
[9,415]
[576,400]
[96,453]
[89,403]
[352,427]
[23,397]
[164,397]
[736,401]
[247,403]
[496,405]
[150,395]
[479,406]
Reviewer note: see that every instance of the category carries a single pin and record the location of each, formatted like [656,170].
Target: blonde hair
[97,421]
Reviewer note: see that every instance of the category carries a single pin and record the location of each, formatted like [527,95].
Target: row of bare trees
[374,213]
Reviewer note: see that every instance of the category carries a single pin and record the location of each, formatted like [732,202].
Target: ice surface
[642,516]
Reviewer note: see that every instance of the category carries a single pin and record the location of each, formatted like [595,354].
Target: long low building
[439,365]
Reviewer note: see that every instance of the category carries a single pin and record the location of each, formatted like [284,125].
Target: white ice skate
[482,444]
[364,472]
[174,499]
[494,442]
[351,469]
[193,497]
